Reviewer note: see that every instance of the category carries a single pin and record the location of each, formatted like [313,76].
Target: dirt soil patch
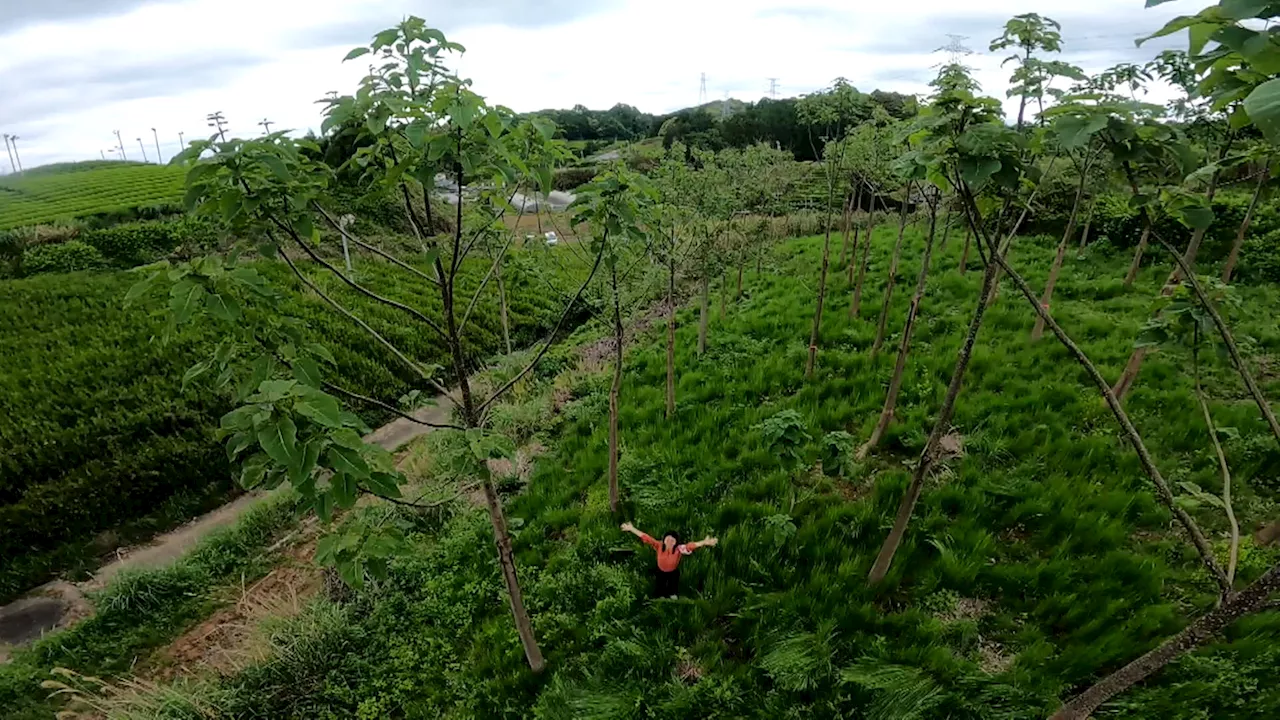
[229,640]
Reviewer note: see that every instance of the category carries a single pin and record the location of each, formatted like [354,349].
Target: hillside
[1038,559]
[75,190]
[101,435]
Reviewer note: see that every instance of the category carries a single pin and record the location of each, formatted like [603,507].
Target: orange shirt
[668,561]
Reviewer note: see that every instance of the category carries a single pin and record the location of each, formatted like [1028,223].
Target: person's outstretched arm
[644,537]
[707,541]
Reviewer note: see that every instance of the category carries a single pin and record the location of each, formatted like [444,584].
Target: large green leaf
[357,52]
[141,287]
[277,167]
[184,298]
[347,461]
[279,440]
[223,306]
[301,469]
[344,489]
[1242,9]
[1263,106]
[320,408]
[307,371]
[384,484]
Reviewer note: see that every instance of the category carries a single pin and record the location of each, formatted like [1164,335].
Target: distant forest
[769,121]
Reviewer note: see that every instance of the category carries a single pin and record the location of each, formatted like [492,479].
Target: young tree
[421,120]
[933,197]
[870,154]
[965,140]
[892,280]
[832,113]
[1028,35]
[612,205]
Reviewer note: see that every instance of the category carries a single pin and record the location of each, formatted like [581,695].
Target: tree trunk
[741,262]
[932,448]
[893,272]
[1233,555]
[614,391]
[502,307]
[1134,366]
[1209,626]
[964,257]
[1163,493]
[1088,224]
[853,252]
[946,232]
[1136,265]
[1234,257]
[671,329]
[1038,331]
[724,290]
[822,296]
[856,306]
[702,319]
[844,223]
[1230,342]
[904,346]
[506,559]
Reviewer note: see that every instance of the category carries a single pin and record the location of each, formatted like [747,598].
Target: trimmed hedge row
[97,430]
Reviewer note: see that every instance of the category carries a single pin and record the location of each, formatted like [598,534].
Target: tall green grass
[141,610]
[1038,561]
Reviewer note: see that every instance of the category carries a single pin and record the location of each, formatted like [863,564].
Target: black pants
[667,583]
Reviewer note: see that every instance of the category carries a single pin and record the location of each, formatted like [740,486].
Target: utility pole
[144,150]
[120,144]
[773,88]
[182,143]
[702,91]
[103,153]
[156,135]
[12,166]
[217,120]
[266,126]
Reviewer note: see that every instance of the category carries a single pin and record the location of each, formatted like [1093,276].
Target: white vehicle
[552,238]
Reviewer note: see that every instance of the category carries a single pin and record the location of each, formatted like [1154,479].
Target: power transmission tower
[956,48]
[702,91]
[724,107]
[266,126]
[120,144]
[12,166]
[13,139]
[217,120]
[773,88]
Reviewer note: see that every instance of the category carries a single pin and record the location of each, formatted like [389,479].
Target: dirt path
[59,604]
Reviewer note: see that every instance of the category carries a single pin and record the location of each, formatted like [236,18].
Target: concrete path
[59,603]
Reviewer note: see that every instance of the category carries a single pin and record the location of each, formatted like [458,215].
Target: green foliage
[70,256]
[100,430]
[142,610]
[85,190]
[785,434]
[1260,258]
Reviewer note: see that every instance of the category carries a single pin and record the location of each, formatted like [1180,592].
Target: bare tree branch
[417,314]
[373,249]
[483,283]
[554,332]
[354,318]
[421,505]
[389,408]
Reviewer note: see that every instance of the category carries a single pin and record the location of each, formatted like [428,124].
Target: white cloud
[71,72]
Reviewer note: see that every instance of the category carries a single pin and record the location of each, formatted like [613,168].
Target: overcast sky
[73,71]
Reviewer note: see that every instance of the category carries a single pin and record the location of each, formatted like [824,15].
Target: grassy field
[1034,563]
[82,189]
[101,437]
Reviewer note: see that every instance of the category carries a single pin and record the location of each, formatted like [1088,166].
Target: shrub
[570,178]
[1260,258]
[131,244]
[63,258]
